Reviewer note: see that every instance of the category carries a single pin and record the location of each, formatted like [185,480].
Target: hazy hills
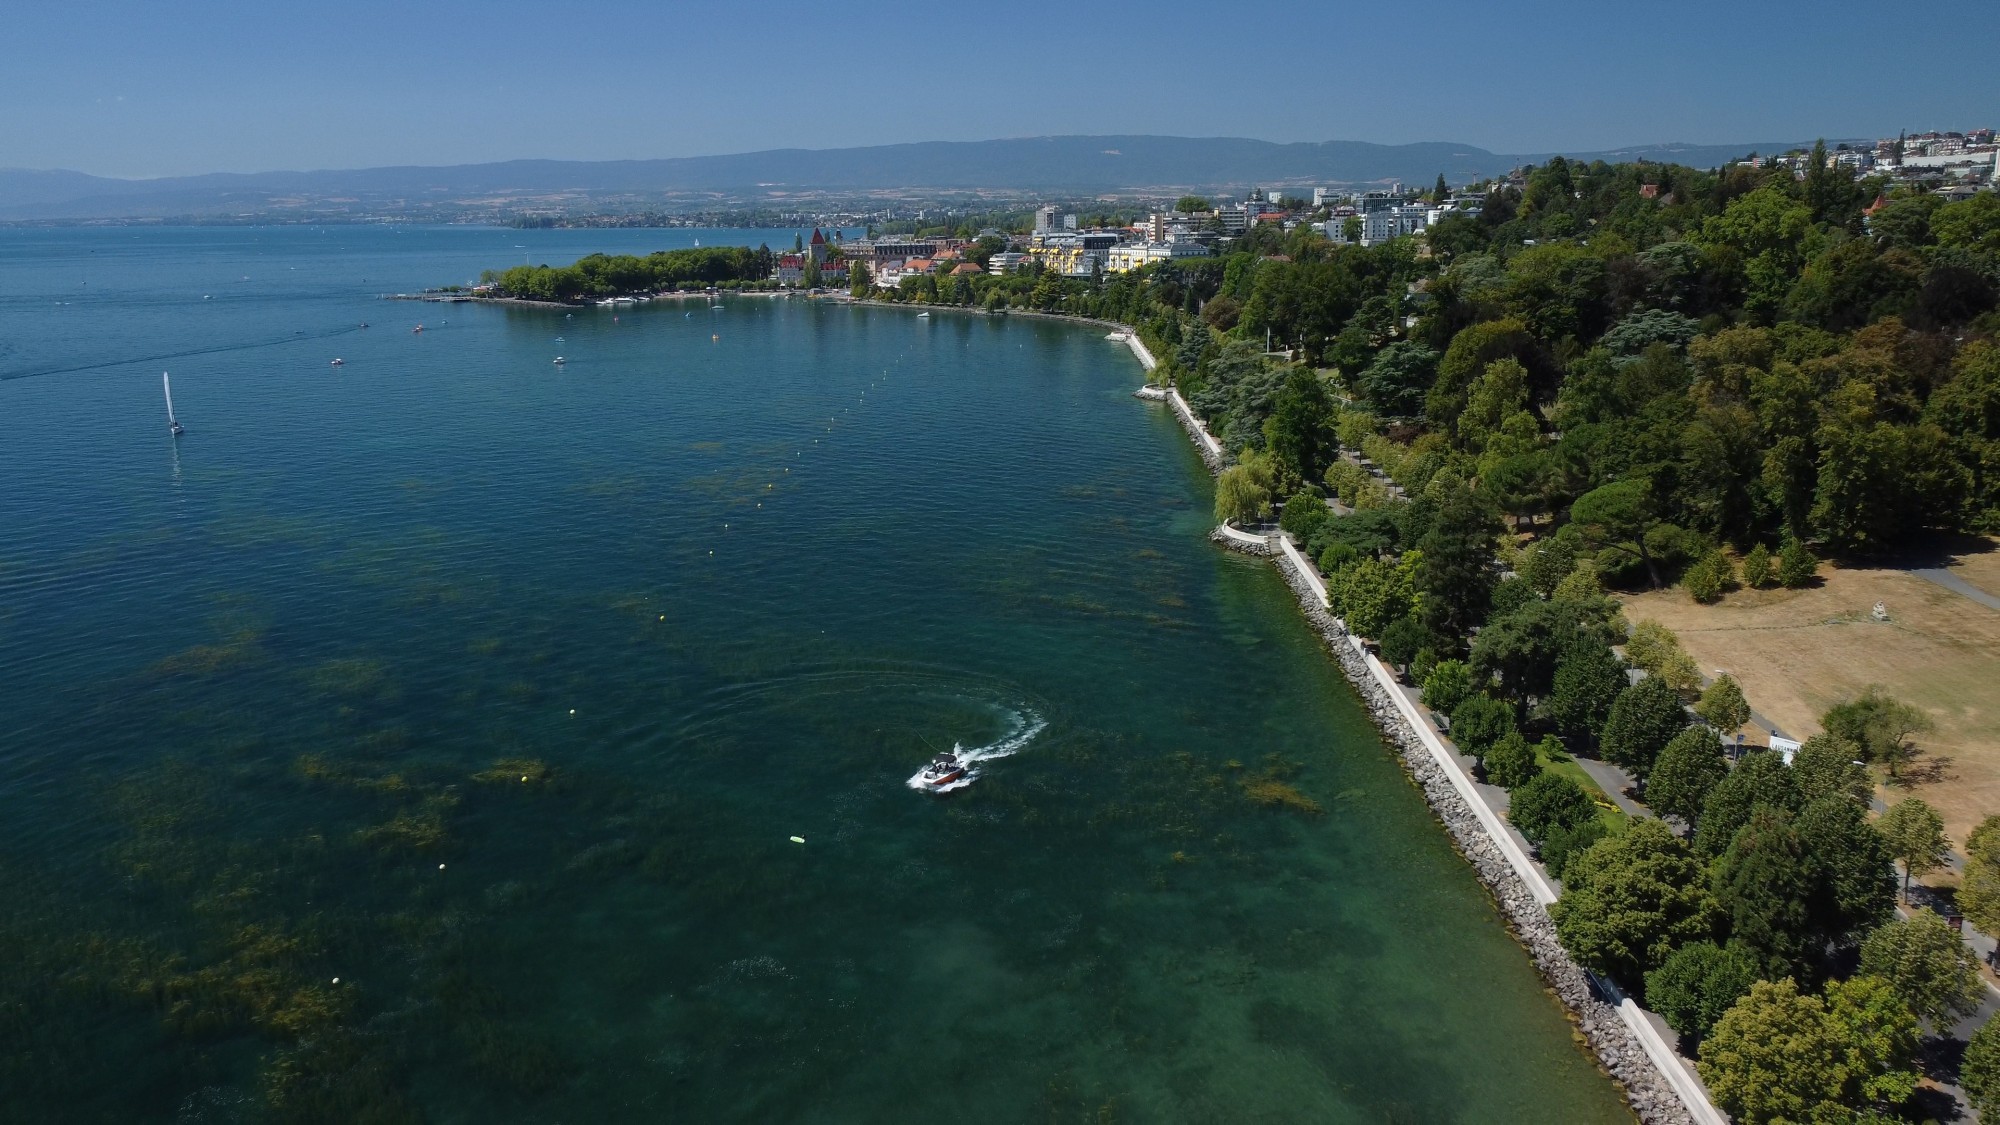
[1066,165]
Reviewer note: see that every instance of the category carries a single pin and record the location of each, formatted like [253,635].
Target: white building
[1133,255]
[1324,196]
[1045,218]
[1006,261]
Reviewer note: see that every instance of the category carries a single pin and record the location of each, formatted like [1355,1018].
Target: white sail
[167,388]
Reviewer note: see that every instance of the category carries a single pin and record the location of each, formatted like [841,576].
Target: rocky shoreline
[1618,1051]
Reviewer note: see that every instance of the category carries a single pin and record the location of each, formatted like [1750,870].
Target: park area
[1798,652]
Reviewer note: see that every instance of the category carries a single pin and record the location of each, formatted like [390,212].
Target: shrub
[1447,686]
[1422,664]
[1704,580]
[1511,763]
[1759,572]
[1336,556]
[1796,565]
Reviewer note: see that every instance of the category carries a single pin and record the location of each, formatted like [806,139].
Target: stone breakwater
[1616,1047]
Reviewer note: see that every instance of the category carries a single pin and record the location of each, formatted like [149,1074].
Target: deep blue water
[496,690]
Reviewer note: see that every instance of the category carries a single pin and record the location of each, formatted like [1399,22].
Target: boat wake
[1022,730]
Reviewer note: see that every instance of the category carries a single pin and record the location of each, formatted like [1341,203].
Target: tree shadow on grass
[1928,770]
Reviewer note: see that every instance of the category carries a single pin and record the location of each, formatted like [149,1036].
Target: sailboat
[173,427]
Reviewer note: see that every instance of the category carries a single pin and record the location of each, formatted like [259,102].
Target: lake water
[497,690]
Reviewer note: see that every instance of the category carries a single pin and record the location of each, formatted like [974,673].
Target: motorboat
[338,362]
[943,770]
[560,361]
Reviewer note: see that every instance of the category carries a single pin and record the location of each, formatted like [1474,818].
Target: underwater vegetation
[1272,788]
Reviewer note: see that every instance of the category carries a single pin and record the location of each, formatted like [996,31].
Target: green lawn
[1614,820]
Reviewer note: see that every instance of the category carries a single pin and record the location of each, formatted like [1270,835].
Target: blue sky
[145,89]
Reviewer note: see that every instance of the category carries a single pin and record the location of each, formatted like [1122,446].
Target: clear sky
[147,88]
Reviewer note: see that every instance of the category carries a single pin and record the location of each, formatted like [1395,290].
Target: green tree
[1479,722]
[1456,577]
[1371,594]
[1617,517]
[1825,766]
[1547,563]
[1402,640]
[1979,889]
[1979,1074]
[1775,1056]
[1303,514]
[1192,204]
[1687,770]
[1762,883]
[1299,432]
[1881,1036]
[1522,647]
[1548,803]
[1511,763]
[1630,900]
[1929,967]
[1395,381]
[1722,705]
[1566,842]
[1643,719]
[1447,686]
[1698,983]
[1243,493]
[1854,880]
[1761,778]
[1650,646]
[1915,833]
[1759,572]
[1588,680]
[1880,724]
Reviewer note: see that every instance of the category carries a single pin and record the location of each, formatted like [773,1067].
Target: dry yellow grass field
[1798,652]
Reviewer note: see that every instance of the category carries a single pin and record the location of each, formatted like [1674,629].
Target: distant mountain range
[1064,165]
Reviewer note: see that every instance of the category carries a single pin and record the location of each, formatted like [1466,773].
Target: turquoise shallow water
[724,578]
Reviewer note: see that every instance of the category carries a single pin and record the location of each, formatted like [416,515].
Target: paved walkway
[1951,581]
[1613,781]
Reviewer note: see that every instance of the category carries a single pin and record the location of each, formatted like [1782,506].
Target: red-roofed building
[963,268]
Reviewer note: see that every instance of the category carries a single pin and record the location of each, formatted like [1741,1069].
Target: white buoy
[524,777]
[336,980]
[572,710]
[798,839]
[440,867]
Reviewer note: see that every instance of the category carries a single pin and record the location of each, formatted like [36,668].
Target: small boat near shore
[560,361]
